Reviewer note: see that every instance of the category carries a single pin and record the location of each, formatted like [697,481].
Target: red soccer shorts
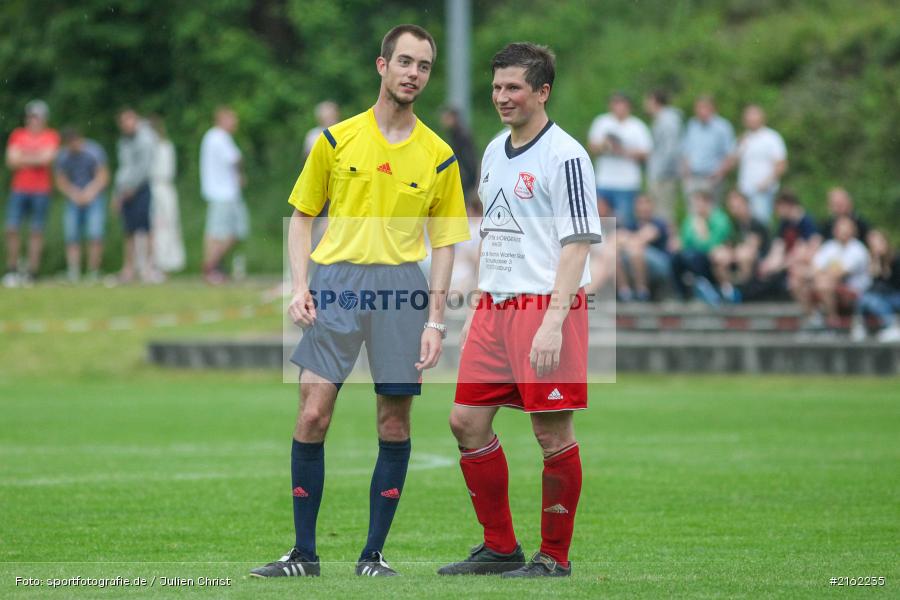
[495,367]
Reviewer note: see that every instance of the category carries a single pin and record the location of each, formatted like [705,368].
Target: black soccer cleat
[292,564]
[541,565]
[374,565]
[484,561]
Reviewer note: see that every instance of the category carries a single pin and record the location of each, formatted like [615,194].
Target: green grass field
[694,486]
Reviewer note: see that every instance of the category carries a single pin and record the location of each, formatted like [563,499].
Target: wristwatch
[439,326]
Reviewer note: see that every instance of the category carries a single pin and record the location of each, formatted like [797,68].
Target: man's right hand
[302,310]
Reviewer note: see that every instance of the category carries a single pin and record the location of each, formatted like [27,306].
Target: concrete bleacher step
[655,352]
[678,316]
[741,352]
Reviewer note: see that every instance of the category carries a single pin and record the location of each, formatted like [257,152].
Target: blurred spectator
[840,204]
[136,147]
[734,262]
[327,114]
[29,153]
[643,260]
[465,265]
[620,141]
[221,178]
[882,299]
[704,228]
[840,275]
[762,160]
[460,140]
[603,256]
[82,174]
[662,164]
[705,150]
[168,245]
[790,255]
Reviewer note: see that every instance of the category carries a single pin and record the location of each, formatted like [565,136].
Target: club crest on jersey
[525,186]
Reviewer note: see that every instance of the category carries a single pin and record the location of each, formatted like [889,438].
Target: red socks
[561,489]
[487,477]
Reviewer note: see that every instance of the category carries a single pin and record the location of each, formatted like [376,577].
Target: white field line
[127,323]
[418,462]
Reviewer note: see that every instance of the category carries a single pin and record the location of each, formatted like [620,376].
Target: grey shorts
[383,306]
[227,220]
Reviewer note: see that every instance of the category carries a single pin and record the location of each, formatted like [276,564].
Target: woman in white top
[840,276]
[168,245]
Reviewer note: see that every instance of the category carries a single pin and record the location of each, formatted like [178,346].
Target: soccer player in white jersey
[525,345]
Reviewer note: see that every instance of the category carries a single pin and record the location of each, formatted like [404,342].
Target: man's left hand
[545,349]
[430,349]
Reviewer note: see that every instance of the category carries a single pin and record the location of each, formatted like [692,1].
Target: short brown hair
[787,197]
[390,40]
[538,61]
[660,96]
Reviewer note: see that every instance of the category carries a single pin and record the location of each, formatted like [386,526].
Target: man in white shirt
[621,142]
[840,274]
[221,180]
[525,345]
[762,159]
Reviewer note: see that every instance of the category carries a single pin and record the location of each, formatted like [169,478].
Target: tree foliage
[827,72]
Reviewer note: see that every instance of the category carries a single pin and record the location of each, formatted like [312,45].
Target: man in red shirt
[30,153]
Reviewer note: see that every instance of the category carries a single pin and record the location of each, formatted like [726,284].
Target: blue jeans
[881,305]
[689,261]
[24,204]
[88,218]
[659,264]
[622,203]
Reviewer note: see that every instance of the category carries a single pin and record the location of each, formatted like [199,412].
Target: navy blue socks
[384,493]
[307,482]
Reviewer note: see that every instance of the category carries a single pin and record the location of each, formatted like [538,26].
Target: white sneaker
[813,322]
[152,276]
[858,331]
[11,279]
[889,335]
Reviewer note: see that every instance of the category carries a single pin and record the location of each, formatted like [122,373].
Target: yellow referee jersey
[382,195]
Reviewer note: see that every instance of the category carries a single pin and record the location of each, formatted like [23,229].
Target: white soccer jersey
[536,198]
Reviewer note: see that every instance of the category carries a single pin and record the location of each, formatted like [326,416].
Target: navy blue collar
[514,152]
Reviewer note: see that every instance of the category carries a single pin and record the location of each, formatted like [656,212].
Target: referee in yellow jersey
[388,177]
